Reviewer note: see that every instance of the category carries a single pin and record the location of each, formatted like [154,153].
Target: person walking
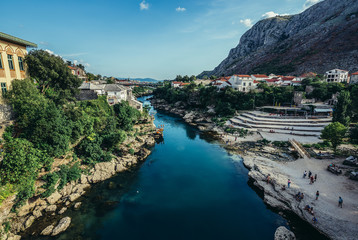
[317,195]
[340,202]
[311,180]
[305,174]
[309,174]
[315,177]
[288,183]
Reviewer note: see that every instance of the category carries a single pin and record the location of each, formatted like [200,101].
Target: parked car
[351,161]
[324,156]
[334,169]
[354,176]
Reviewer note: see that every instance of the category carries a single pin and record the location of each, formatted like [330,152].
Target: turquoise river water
[188,188]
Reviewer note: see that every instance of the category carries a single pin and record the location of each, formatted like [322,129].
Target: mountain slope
[323,37]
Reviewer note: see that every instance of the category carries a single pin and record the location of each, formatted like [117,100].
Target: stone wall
[6,113]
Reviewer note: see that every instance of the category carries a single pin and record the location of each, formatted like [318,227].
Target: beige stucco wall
[7,75]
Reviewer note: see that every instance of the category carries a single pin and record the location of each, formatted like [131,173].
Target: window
[244,84]
[1,67]
[3,88]
[21,64]
[11,64]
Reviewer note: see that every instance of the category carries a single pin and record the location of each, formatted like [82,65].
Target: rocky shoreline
[15,224]
[261,162]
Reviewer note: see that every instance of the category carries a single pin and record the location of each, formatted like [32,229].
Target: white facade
[336,75]
[354,78]
[243,83]
[176,84]
[259,77]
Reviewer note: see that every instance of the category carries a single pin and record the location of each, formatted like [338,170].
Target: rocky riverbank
[264,160]
[35,212]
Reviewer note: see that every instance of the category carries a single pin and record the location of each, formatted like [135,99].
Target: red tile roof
[177,82]
[356,73]
[288,78]
[260,76]
[242,76]
[183,84]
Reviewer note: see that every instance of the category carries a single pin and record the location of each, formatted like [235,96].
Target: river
[188,188]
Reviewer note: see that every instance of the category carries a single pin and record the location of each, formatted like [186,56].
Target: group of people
[299,196]
[310,176]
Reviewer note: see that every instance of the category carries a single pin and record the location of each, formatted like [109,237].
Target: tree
[21,161]
[334,133]
[354,134]
[341,112]
[50,71]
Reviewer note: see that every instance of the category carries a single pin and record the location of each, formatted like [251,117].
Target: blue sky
[136,38]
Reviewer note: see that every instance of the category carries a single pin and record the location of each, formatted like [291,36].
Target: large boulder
[282,233]
[61,226]
[47,231]
[54,198]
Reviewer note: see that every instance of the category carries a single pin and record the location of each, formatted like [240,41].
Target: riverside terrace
[281,128]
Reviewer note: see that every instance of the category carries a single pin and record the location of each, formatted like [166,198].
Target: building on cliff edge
[12,53]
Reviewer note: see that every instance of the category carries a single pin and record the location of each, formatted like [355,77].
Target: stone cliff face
[321,38]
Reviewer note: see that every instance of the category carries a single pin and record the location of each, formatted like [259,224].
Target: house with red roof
[354,78]
[259,77]
[176,84]
[221,82]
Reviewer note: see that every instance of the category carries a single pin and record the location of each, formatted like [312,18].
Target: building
[354,78]
[259,77]
[79,72]
[115,94]
[243,83]
[336,75]
[12,53]
[176,84]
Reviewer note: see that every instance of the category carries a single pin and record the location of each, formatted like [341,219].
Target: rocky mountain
[323,37]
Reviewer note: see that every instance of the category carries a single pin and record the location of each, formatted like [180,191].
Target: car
[353,176]
[334,169]
[351,161]
[324,156]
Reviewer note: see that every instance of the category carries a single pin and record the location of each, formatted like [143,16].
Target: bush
[51,180]
[26,191]
[131,151]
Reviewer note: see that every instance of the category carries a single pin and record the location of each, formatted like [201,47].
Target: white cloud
[49,51]
[180,9]
[309,3]
[270,14]
[144,5]
[247,22]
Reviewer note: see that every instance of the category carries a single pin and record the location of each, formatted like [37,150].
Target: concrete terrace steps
[242,122]
[296,133]
[261,117]
[299,132]
[282,124]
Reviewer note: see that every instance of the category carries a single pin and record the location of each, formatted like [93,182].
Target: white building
[336,75]
[259,77]
[176,84]
[354,78]
[115,93]
[243,83]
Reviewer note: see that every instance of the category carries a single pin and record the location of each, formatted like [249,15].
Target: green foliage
[21,161]
[334,133]
[131,151]
[8,133]
[280,143]
[6,191]
[68,174]
[26,191]
[126,115]
[90,151]
[7,226]
[51,71]
[342,112]
[264,142]
[51,180]
[354,134]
